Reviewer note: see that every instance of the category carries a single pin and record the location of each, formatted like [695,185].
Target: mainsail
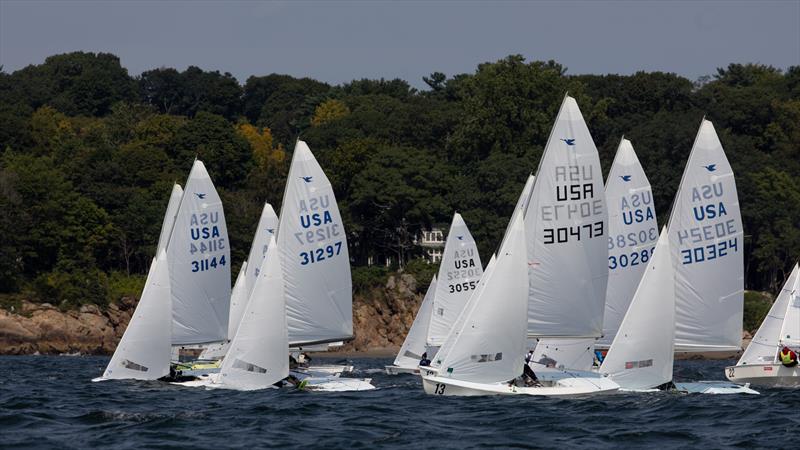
[780,327]
[316,265]
[414,346]
[239,299]
[632,235]
[487,345]
[199,264]
[143,353]
[169,217]
[566,226]
[641,356]
[705,234]
[258,354]
[267,228]
[459,273]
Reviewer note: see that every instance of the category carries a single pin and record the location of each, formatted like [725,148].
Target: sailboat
[245,280]
[641,356]
[484,352]
[459,273]
[759,363]
[143,353]
[169,217]
[198,254]
[410,354]
[632,236]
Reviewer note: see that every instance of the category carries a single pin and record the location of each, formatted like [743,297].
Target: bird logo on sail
[199,195]
[625,178]
[271,230]
[460,238]
[570,142]
[711,167]
[307,179]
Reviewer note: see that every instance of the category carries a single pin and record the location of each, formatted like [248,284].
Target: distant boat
[760,364]
[314,256]
[459,273]
[143,353]
[410,354]
[705,234]
[198,253]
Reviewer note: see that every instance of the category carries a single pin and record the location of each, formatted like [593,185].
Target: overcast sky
[339,41]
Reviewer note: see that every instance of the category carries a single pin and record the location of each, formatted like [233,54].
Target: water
[50,402]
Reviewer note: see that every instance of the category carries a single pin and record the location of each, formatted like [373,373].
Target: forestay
[199,264]
[459,273]
[413,347]
[488,345]
[566,227]
[632,235]
[143,353]
[239,299]
[267,228]
[705,233]
[641,356]
[169,217]
[258,355]
[763,348]
[316,265]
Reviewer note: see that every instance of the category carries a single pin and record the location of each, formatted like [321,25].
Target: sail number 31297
[320,254]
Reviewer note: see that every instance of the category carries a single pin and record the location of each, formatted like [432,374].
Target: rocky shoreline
[381,319]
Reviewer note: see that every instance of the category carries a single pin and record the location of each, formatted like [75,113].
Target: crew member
[425,361]
[788,357]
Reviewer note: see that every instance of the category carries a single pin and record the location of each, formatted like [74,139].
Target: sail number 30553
[320,254]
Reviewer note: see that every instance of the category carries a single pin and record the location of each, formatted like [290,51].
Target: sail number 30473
[565,234]
[320,254]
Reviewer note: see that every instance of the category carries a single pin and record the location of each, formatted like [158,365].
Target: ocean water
[49,402]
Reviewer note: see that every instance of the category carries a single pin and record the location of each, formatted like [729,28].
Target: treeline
[89,154]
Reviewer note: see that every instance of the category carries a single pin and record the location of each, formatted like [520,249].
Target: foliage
[756,307]
[422,271]
[89,155]
[368,277]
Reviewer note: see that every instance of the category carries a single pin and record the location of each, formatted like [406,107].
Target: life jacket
[788,357]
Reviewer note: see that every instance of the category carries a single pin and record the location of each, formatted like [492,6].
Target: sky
[338,41]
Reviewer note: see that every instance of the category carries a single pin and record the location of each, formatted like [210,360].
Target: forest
[89,155]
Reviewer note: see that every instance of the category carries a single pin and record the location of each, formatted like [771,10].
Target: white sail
[169,217]
[632,235]
[565,353]
[705,232]
[641,356]
[522,202]
[199,264]
[764,346]
[316,265]
[790,331]
[414,346]
[459,273]
[239,299]
[258,355]
[143,353]
[566,225]
[488,345]
[267,228]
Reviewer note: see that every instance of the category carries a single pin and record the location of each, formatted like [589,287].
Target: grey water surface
[50,401]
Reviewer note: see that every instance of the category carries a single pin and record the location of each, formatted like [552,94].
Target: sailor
[425,361]
[530,377]
[788,357]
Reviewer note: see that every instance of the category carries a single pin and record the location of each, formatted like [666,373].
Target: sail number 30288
[320,254]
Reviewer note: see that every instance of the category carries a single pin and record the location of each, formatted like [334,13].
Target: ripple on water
[50,401]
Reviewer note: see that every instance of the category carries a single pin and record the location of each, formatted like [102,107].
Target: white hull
[714,387]
[325,370]
[771,375]
[398,370]
[554,383]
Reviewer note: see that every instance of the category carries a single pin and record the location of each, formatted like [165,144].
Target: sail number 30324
[320,254]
